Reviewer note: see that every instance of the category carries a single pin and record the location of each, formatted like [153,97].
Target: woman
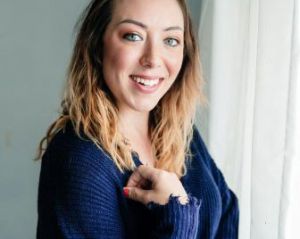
[124,159]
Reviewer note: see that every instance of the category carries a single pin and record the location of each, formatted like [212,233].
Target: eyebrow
[140,24]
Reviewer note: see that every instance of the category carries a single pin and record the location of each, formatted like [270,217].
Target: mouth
[147,81]
[146,84]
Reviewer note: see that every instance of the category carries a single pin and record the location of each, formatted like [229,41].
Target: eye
[171,42]
[132,37]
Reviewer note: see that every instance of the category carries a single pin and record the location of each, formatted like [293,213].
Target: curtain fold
[290,198]
[250,54]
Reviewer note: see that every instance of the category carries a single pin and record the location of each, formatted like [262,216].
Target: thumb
[136,194]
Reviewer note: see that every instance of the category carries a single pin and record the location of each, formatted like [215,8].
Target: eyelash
[137,37]
[172,39]
[128,35]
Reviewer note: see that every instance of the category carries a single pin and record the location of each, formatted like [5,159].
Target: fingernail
[126,192]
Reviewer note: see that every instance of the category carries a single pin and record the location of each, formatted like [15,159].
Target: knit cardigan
[80,196]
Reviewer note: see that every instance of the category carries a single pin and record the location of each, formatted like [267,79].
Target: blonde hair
[91,108]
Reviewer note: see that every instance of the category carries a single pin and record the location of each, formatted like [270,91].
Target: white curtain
[250,52]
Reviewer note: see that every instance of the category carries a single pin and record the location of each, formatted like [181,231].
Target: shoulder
[68,142]
[74,167]
[206,181]
[198,148]
[69,153]
[78,182]
[201,157]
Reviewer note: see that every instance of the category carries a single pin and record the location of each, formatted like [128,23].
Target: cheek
[174,64]
[114,59]
[120,59]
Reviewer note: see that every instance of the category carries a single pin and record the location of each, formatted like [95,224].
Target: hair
[91,108]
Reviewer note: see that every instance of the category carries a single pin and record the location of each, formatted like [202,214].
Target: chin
[144,107]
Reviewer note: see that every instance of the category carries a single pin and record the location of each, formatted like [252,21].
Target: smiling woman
[143,53]
[124,159]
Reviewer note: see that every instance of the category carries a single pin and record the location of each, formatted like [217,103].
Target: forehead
[153,13]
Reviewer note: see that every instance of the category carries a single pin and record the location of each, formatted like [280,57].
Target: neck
[134,124]
[134,127]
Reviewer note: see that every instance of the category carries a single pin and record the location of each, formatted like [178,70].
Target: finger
[135,180]
[145,184]
[141,176]
[147,172]
[136,194]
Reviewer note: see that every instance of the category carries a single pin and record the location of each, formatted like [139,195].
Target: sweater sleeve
[174,220]
[77,198]
[228,226]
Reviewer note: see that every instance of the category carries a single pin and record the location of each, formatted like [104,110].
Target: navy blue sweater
[80,196]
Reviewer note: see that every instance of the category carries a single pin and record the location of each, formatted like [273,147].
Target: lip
[147,77]
[146,89]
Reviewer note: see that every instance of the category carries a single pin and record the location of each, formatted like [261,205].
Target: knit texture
[80,196]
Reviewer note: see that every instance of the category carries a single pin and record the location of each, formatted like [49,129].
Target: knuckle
[141,167]
[135,179]
[133,194]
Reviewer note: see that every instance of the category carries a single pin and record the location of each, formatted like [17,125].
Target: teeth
[145,82]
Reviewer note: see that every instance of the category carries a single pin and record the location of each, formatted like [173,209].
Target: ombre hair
[91,108]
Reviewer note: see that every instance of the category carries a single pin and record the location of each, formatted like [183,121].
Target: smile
[146,81]
[146,84]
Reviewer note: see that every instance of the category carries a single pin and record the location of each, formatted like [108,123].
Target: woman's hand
[148,184]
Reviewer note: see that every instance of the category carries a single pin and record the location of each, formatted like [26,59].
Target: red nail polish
[126,192]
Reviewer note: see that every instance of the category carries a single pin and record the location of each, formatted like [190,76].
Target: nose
[151,57]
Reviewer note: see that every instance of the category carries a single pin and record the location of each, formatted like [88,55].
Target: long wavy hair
[92,109]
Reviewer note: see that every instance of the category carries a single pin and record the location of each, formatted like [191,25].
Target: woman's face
[143,51]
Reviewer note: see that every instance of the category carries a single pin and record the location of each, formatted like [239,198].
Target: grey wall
[195,6]
[35,46]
